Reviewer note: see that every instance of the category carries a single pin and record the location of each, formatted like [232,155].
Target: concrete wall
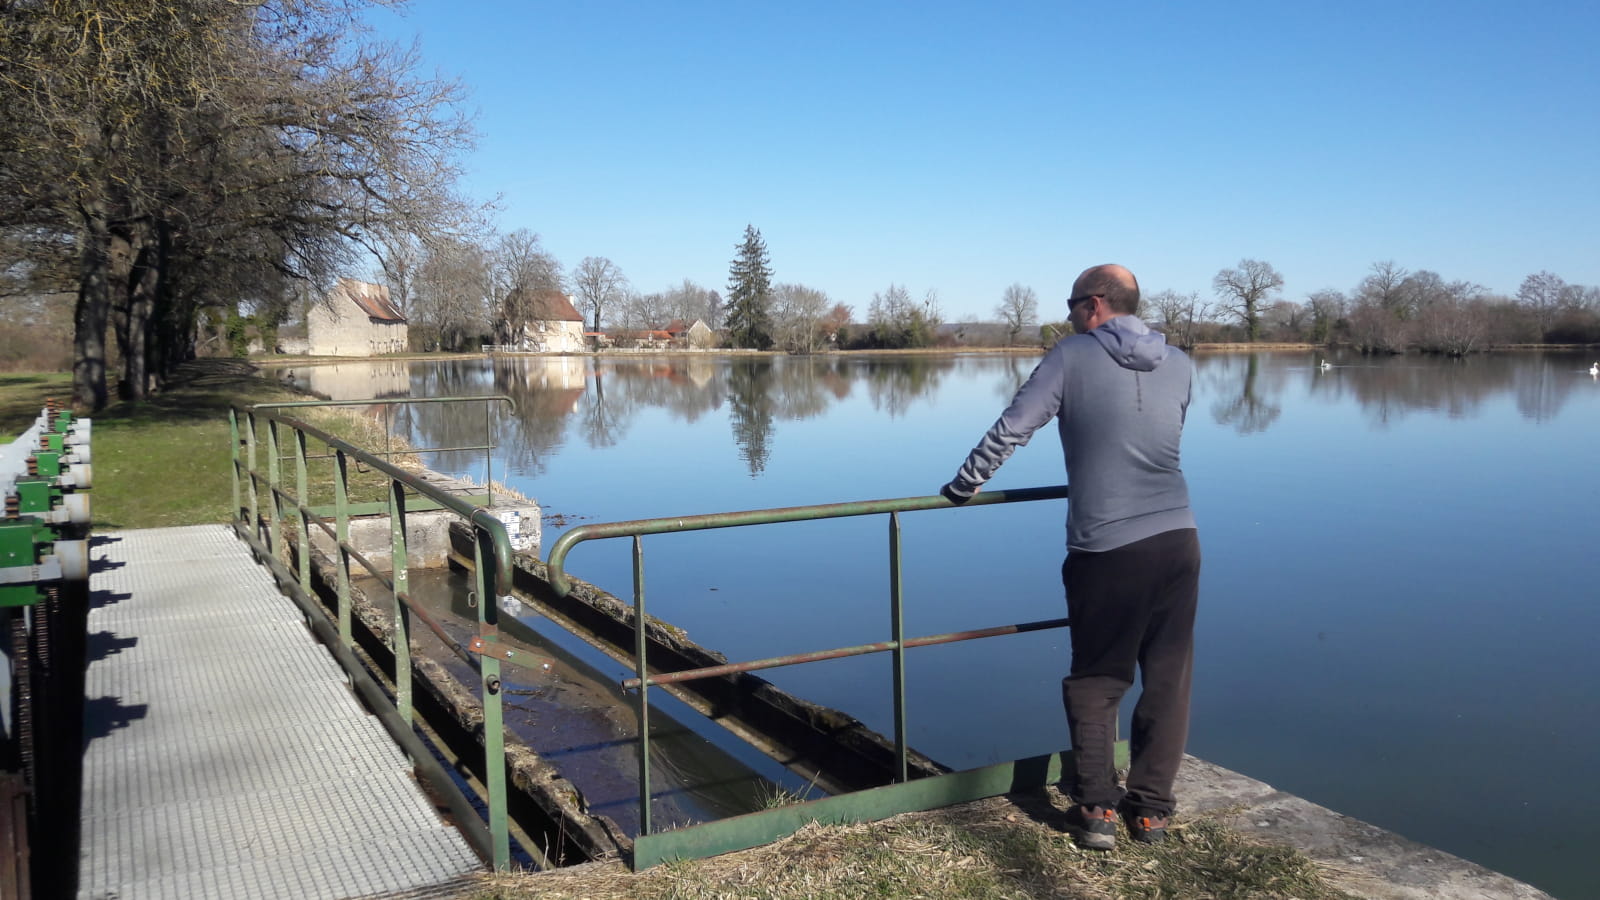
[345,330]
[427,536]
[545,336]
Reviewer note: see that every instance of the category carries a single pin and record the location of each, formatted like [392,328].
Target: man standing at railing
[1119,394]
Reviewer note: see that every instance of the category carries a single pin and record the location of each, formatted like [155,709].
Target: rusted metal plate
[755,829]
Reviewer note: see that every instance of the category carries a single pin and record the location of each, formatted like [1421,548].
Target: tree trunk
[92,310]
[125,243]
[141,358]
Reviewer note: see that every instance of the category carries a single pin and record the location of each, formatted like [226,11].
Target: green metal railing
[388,431]
[904,795]
[263,521]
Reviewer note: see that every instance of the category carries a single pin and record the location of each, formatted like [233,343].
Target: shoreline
[1237,347]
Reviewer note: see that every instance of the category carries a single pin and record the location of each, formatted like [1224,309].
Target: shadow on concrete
[103,715]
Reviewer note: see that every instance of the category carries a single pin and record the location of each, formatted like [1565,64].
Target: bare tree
[641,312]
[1178,314]
[598,283]
[451,303]
[798,318]
[1456,322]
[1327,307]
[689,301]
[1542,293]
[1244,290]
[520,262]
[1383,289]
[1018,309]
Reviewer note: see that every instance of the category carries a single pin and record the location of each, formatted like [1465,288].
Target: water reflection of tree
[750,410]
[544,400]
[892,384]
[1251,410]
[605,415]
[805,386]
[459,424]
[1017,371]
[1390,389]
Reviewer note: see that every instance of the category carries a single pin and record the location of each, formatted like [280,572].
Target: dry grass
[992,849]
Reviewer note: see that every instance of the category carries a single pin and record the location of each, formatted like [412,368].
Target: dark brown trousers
[1132,606]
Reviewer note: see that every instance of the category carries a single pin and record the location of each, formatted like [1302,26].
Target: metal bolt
[493,684]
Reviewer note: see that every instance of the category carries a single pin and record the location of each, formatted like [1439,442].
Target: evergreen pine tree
[749,301]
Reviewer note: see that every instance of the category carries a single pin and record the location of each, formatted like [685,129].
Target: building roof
[372,298]
[544,305]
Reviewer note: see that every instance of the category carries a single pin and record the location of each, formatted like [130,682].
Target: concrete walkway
[225,757]
[1363,859]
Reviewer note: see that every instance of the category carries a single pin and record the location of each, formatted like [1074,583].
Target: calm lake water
[1399,614]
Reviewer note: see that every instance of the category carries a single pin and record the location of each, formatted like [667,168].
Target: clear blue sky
[962,147]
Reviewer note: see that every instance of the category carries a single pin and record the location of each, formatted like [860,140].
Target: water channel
[1398,609]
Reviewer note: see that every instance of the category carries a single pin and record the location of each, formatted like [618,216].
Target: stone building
[696,335]
[356,319]
[540,321]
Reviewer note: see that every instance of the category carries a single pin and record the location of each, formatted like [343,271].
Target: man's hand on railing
[949,493]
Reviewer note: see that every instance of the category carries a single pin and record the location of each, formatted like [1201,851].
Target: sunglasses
[1072,302]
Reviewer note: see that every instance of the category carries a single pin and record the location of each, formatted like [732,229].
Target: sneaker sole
[1093,841]
[1097,841]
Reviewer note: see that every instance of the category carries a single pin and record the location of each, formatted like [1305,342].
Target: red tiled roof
[372,298]
[546,305]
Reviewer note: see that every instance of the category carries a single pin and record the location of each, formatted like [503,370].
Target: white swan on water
[1594,369]
[1325,365]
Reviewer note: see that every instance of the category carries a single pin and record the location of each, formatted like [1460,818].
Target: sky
[963,148]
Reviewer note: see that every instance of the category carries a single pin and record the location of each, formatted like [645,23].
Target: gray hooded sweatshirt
[1119,395]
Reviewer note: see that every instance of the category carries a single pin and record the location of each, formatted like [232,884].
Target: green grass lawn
[161,462]
[22,395]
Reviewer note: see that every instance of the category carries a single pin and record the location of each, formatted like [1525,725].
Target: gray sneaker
[1093,827]
[1146,828]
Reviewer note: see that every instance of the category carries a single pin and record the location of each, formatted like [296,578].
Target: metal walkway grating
[224,755]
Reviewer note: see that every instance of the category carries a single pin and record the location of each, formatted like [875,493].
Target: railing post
[494,735]
[303,500]
[274,483]
[250,469]
[341,532]
[640,642]
[402,588]
[897,633]
[488,454]
[233,444]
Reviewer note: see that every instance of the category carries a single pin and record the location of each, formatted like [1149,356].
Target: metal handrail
[488,449]
[665,525]
[492,571]
[897,645]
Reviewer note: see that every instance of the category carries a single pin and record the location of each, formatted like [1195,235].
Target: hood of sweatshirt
[1132,344]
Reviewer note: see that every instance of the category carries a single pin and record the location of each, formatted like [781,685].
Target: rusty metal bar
[641,642]
[773,662]
[897,636]
[558,553]
[388,453]
[398,401]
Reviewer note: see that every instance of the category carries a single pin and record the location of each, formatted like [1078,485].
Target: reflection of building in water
[547,385]
[555,372]
[354,381]
[701,370]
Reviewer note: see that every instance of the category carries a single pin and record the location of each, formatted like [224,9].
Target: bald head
[1113,282]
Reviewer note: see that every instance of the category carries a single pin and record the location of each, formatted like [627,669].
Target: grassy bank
[997,848]
[166,461]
